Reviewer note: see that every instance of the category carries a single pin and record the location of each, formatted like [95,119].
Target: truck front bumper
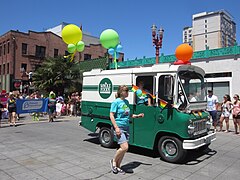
[196,143]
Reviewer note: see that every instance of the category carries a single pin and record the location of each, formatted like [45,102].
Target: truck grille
[200,127]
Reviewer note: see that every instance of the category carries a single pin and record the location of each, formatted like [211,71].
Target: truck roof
[156,68]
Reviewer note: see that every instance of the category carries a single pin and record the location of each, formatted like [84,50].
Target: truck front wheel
[106,137]
[171,149]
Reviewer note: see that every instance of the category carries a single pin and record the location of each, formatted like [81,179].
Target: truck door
[143,127]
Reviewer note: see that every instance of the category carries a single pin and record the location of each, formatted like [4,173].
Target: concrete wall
[223,65]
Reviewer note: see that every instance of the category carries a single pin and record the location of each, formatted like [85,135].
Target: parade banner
[32,105]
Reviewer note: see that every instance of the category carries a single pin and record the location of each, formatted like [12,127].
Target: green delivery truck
[176,122]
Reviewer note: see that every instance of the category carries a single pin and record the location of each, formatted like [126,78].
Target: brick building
[22,52]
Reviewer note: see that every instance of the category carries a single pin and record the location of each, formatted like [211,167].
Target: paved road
[63,150]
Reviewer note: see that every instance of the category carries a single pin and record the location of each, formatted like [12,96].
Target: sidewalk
[28,119]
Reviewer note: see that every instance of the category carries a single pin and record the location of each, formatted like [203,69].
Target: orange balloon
[184,52]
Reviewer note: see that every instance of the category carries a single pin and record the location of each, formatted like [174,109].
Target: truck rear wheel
[171,149]
[106,137]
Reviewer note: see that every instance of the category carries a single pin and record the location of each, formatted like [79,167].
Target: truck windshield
[193,85]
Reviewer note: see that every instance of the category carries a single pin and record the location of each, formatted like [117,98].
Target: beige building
[210,29]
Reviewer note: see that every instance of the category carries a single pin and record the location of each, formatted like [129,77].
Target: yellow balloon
[71,34]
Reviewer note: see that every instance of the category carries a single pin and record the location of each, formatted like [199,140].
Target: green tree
[58,75]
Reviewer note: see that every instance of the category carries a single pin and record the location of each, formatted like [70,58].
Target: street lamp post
[157,40]
[22,71]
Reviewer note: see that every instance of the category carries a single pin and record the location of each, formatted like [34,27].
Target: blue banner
[32,105]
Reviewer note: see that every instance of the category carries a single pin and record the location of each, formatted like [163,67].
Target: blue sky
[132,19]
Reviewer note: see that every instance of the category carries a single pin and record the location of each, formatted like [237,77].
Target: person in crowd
[51,105]
[12,109]
[1,110]
[212,105]
[119,115]
[64,108]
[58,108]
[192,98]
[226,112]
[142,98]
[35,115]
[72,105]
[78,103]
[236,113]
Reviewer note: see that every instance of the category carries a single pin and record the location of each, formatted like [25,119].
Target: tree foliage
[58,75]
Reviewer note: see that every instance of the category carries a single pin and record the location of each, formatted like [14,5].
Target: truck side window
[161,88]
[142,95]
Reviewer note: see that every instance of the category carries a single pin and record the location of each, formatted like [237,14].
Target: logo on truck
[105,88]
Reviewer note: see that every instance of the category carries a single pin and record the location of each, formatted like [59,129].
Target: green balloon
[80,46]
[71,48]
[109,38]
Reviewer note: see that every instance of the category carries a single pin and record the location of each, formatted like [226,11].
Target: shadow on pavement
[196,157]
[143,151]
[128,168]
[94,138]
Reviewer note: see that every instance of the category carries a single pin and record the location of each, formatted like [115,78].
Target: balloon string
[72,56]
[115,59]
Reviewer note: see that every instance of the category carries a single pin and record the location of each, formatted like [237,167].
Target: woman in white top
[236,113]
[226,111]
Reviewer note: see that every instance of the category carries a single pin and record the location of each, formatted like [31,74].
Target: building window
[4,69]
[23,67]
[189,31]
[0,69]
[87,56]
[1,50]
[7,68]
[4,48]
[205,35]
[205,26]
[206,41]
[205,31]
[205,21]
[40,51]
[55,53]
[8,47]
[24,48]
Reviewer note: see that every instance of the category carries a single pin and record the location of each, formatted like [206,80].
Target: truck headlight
[191,127]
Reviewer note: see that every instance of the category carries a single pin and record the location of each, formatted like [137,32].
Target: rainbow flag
[135,88]
[163,104]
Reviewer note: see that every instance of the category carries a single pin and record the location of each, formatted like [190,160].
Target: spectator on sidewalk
[1,110]
[51,105]
[226,112]
[236,113]
[12,109]
[58,108]
[212,105]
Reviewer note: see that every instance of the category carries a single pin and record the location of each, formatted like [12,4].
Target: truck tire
[171,149]
[106,137]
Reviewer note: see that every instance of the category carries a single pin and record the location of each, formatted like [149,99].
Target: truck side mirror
[168,86]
